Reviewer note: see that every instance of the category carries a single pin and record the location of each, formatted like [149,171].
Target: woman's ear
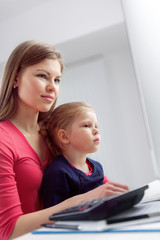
[16,81]
[62,136]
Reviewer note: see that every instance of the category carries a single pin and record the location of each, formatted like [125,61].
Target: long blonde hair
[61,118]
[24,55]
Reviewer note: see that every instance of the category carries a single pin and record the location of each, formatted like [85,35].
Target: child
[71,133]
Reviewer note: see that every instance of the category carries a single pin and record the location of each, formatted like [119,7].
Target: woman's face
[38,85]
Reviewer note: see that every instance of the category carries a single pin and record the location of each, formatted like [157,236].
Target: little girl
[71,133]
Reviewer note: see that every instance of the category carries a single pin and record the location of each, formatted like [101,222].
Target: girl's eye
[57,80]
[42,76]
[86,125]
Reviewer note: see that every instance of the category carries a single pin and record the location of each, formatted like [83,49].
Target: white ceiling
[73,23]
[10,8]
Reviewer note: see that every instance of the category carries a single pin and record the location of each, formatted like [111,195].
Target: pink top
[91,171]
[21,173]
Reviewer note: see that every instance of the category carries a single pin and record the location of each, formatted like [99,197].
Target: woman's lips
[48,98]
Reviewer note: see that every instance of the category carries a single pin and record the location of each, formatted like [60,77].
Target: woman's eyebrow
[39,70]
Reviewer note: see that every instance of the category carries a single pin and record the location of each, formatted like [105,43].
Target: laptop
[103,208]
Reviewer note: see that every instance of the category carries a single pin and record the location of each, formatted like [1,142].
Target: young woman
[71,133]
[29,90]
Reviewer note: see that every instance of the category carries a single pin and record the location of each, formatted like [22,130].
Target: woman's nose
[51,87]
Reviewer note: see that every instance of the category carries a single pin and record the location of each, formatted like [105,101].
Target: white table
[98,236]
[153,189]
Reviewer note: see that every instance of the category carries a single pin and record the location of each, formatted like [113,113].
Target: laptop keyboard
[82,207]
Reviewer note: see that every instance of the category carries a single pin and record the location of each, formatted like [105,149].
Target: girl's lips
[97,140]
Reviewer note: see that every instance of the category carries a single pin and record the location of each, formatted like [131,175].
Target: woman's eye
[57,80]
[42,76]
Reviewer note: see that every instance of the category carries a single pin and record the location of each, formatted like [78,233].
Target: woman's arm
[32,221]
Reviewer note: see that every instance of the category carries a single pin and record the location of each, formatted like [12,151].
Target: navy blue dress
[61,180]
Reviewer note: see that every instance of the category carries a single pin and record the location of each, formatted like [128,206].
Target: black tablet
[101,208]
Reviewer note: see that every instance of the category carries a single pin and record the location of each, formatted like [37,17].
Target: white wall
[143,21]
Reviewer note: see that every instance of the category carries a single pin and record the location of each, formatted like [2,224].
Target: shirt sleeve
[105,179]
[10,206]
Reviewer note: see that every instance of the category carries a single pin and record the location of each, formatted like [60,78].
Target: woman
[28,95]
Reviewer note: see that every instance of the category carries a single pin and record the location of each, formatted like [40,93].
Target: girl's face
[38,85]
[83,134]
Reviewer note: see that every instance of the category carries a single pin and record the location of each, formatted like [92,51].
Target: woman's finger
[121,186]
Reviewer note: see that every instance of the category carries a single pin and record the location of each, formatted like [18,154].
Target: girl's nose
[95,131]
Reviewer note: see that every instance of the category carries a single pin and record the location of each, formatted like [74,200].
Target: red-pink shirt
[21,173]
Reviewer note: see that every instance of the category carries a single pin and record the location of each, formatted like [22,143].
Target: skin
[38,88]
[81,138]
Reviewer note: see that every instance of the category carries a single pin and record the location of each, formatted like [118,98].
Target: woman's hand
[111,188]
[105,190]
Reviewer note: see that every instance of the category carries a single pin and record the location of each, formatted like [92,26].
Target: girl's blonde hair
[61,118]
[24,55]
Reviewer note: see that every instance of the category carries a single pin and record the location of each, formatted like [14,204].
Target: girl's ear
[62,135]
